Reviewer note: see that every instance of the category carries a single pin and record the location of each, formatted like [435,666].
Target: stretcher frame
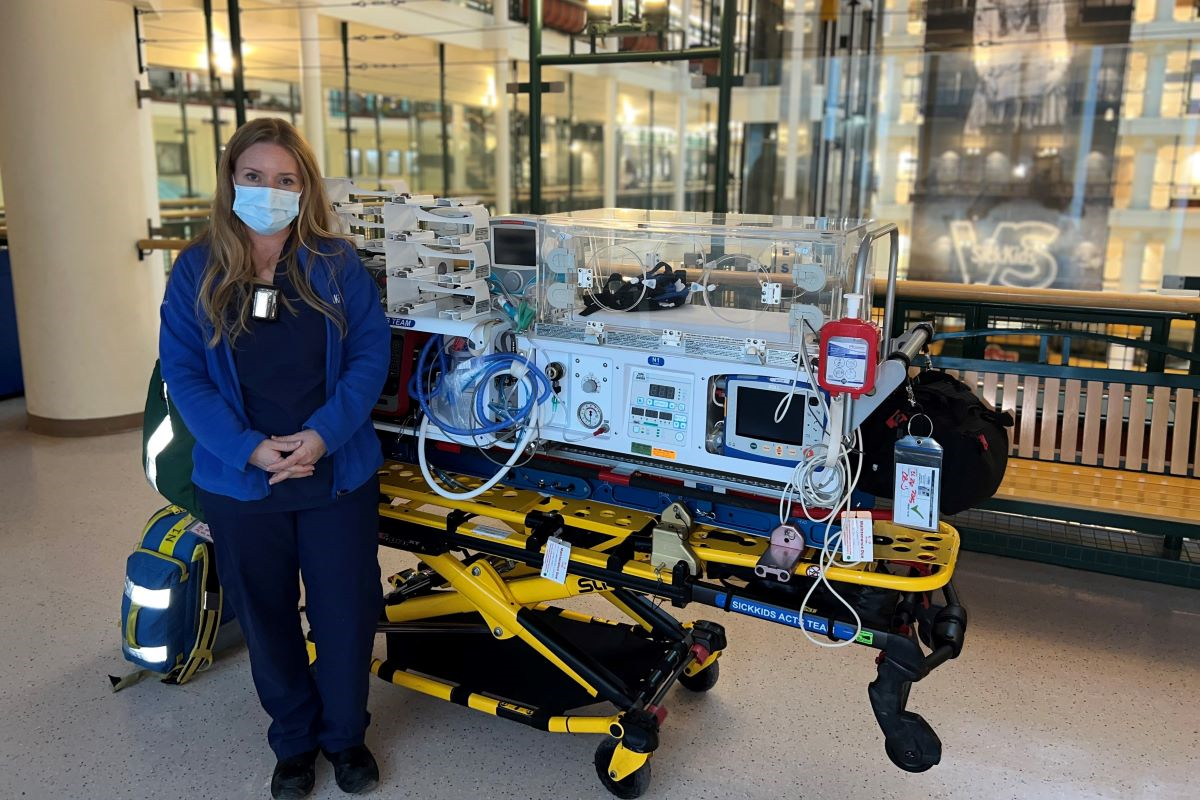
[483,557]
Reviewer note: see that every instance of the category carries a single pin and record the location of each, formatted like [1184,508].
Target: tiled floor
[1071,685]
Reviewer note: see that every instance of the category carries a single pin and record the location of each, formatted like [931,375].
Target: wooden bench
[1101,447]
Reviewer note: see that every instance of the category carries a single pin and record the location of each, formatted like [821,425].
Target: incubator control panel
[676,411]
[659,408]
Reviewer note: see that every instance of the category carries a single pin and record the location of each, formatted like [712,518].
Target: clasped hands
[293,456]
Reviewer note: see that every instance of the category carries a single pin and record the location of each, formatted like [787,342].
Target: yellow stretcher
[474,623]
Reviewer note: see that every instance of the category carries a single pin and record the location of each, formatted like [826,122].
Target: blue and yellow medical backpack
[171,611]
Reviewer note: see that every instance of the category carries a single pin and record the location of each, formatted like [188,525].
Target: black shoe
[294,777]
[354,769]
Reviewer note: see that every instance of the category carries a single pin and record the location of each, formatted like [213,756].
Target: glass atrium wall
[1030,144]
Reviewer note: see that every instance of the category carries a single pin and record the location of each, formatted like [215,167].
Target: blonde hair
[226,287]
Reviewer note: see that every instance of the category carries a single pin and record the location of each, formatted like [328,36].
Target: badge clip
[266,303]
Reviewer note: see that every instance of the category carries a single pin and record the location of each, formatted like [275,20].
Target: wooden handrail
[178,214]
[162,244]
[1006,295]
[186,202]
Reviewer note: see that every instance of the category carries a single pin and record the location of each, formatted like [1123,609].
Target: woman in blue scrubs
[274,348]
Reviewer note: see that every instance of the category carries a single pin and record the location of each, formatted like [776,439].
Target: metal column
[214,82]
[724,100]
[650,157]
[239,70]
[346,99]
[379,141]
[535,106]
[445,125]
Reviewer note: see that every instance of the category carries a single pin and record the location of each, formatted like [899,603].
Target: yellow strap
[210,622]
[160,515]
[129,680]
[131,625]
[167,547]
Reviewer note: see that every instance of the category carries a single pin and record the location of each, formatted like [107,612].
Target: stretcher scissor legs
[482,632]
[478,625]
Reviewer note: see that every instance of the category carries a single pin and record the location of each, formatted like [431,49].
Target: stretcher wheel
[702,681]
[911,754]
[629,787]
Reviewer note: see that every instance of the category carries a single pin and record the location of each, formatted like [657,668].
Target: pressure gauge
[590,415]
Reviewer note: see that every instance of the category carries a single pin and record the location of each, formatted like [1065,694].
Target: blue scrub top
[281,368]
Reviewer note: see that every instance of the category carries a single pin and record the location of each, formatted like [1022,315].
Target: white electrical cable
[422,461]
[533,427]
[802,360]
[828,555]
[785,402]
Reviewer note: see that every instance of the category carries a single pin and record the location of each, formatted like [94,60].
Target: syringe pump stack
[437,258]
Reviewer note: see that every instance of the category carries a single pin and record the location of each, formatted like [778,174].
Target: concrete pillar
[611,168]
[1164,11]
[893,87]
[794,97]
[87,307]
[460,147]
[550,150]
[312,95]
[1143,175]
[1156,75]
[502,120]
[888,167]
[679,168]
[897,18]
[1131,262]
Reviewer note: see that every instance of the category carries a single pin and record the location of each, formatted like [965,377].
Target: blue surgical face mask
[263,209]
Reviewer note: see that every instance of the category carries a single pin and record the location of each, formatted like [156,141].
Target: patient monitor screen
[756,416]
[514,246]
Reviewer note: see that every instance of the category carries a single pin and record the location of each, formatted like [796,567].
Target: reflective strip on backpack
[158,599]
[159,440]
[151,655]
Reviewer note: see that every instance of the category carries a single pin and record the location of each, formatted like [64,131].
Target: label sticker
[916,494]
[202,530]
[558,554]
[847,361]
[640,449]
[658,452]
[865,637]
[858,542]
[844,631]
[751,608]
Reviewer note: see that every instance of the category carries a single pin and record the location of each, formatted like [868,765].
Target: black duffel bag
[972,435]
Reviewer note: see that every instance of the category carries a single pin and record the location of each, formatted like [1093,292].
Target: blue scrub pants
[335,549]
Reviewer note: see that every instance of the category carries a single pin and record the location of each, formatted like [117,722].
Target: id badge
[918,488]
[266,303]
